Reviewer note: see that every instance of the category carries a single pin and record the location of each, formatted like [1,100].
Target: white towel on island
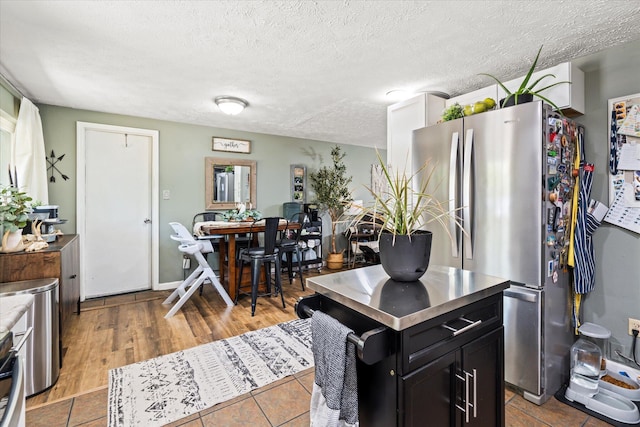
[334,399]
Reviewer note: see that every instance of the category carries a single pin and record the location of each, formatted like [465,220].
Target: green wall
[183,148]
[616,296]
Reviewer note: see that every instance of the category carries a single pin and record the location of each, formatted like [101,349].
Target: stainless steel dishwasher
[42,355]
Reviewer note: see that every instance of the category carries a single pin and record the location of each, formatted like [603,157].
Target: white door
[117,209]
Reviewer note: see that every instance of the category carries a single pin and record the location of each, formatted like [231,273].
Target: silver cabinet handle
[464,409]
[467,401]
[475,395]
[471,325]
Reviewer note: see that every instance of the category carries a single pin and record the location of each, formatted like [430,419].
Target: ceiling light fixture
[230,104]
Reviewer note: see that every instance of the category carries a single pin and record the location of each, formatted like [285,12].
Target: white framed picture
[231,145]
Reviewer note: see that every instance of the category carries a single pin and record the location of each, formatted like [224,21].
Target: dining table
[231,229]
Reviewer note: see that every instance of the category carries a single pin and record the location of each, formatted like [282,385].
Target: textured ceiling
[309,69]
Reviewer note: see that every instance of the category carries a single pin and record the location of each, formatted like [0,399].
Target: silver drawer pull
[467,399]
[471,325]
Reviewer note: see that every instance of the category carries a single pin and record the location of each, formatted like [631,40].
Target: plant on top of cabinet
[526,93]
[331,186]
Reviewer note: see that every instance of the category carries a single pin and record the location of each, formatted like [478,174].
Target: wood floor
[116,331]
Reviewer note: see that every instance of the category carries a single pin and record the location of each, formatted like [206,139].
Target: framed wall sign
[231,145]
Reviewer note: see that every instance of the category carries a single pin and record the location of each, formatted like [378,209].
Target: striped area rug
[170,387]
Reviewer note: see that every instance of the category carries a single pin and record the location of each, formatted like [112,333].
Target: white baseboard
[167,286]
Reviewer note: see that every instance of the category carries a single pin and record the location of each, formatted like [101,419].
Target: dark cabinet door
[484,359]
[428,395]
[465,387]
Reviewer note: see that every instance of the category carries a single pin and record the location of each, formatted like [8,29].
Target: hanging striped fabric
[584,270]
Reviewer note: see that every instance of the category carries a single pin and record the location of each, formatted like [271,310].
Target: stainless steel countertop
[400,305]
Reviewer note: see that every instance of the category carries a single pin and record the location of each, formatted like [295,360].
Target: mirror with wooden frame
[229,182]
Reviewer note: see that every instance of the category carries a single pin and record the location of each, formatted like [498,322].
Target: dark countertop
[400,305]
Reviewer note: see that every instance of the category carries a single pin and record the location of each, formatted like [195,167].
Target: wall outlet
[186,263]
[633,324]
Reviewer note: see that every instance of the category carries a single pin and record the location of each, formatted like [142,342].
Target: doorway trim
[81,129]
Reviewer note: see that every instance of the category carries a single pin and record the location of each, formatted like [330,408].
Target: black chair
[259,256]
[289,245]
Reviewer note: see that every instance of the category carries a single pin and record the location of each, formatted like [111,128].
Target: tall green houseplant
[331,185]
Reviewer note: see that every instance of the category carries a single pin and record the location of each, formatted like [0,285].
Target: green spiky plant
[405,209]
[526,88]
[331,185]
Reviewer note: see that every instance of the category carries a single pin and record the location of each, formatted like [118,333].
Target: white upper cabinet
[402,119]
[568,97]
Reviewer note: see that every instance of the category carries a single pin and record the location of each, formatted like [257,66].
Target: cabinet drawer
[424,342]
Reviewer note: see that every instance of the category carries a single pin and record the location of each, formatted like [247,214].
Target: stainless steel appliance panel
[558,338]
[523,338]
[505,208]
[441,146]
[42,353]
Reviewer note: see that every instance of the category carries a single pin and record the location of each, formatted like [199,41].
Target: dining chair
[261,256]
[289,245]
[203,273]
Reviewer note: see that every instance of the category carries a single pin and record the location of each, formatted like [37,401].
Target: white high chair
[196,248]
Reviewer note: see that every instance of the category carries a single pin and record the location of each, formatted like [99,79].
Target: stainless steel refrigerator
[500,168]
[224,187]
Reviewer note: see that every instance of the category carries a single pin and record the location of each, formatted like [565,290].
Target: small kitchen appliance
[587,369]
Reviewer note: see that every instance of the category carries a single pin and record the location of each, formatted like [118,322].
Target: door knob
[147,221]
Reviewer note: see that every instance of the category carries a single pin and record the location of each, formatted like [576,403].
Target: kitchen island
[430,352]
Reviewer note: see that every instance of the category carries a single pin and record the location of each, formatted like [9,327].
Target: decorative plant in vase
[331,185]
[400,214]
[241,213]
[526,93]
[15,206]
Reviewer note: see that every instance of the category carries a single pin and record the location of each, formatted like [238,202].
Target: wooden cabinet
[60,260]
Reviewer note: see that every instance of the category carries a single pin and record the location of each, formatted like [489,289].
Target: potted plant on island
[400,214]
[331,186]
[526,93]
[15,206]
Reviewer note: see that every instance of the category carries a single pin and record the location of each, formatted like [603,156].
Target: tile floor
[283,403]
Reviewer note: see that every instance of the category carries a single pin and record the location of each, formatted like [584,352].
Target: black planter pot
[405,260]
[511,100]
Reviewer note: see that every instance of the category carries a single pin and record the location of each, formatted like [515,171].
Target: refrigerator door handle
[466,194]
[453,202]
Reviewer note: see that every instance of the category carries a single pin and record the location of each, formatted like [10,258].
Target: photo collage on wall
[624,162]
[298,183]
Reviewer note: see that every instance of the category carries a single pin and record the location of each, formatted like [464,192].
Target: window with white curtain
[7,135]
